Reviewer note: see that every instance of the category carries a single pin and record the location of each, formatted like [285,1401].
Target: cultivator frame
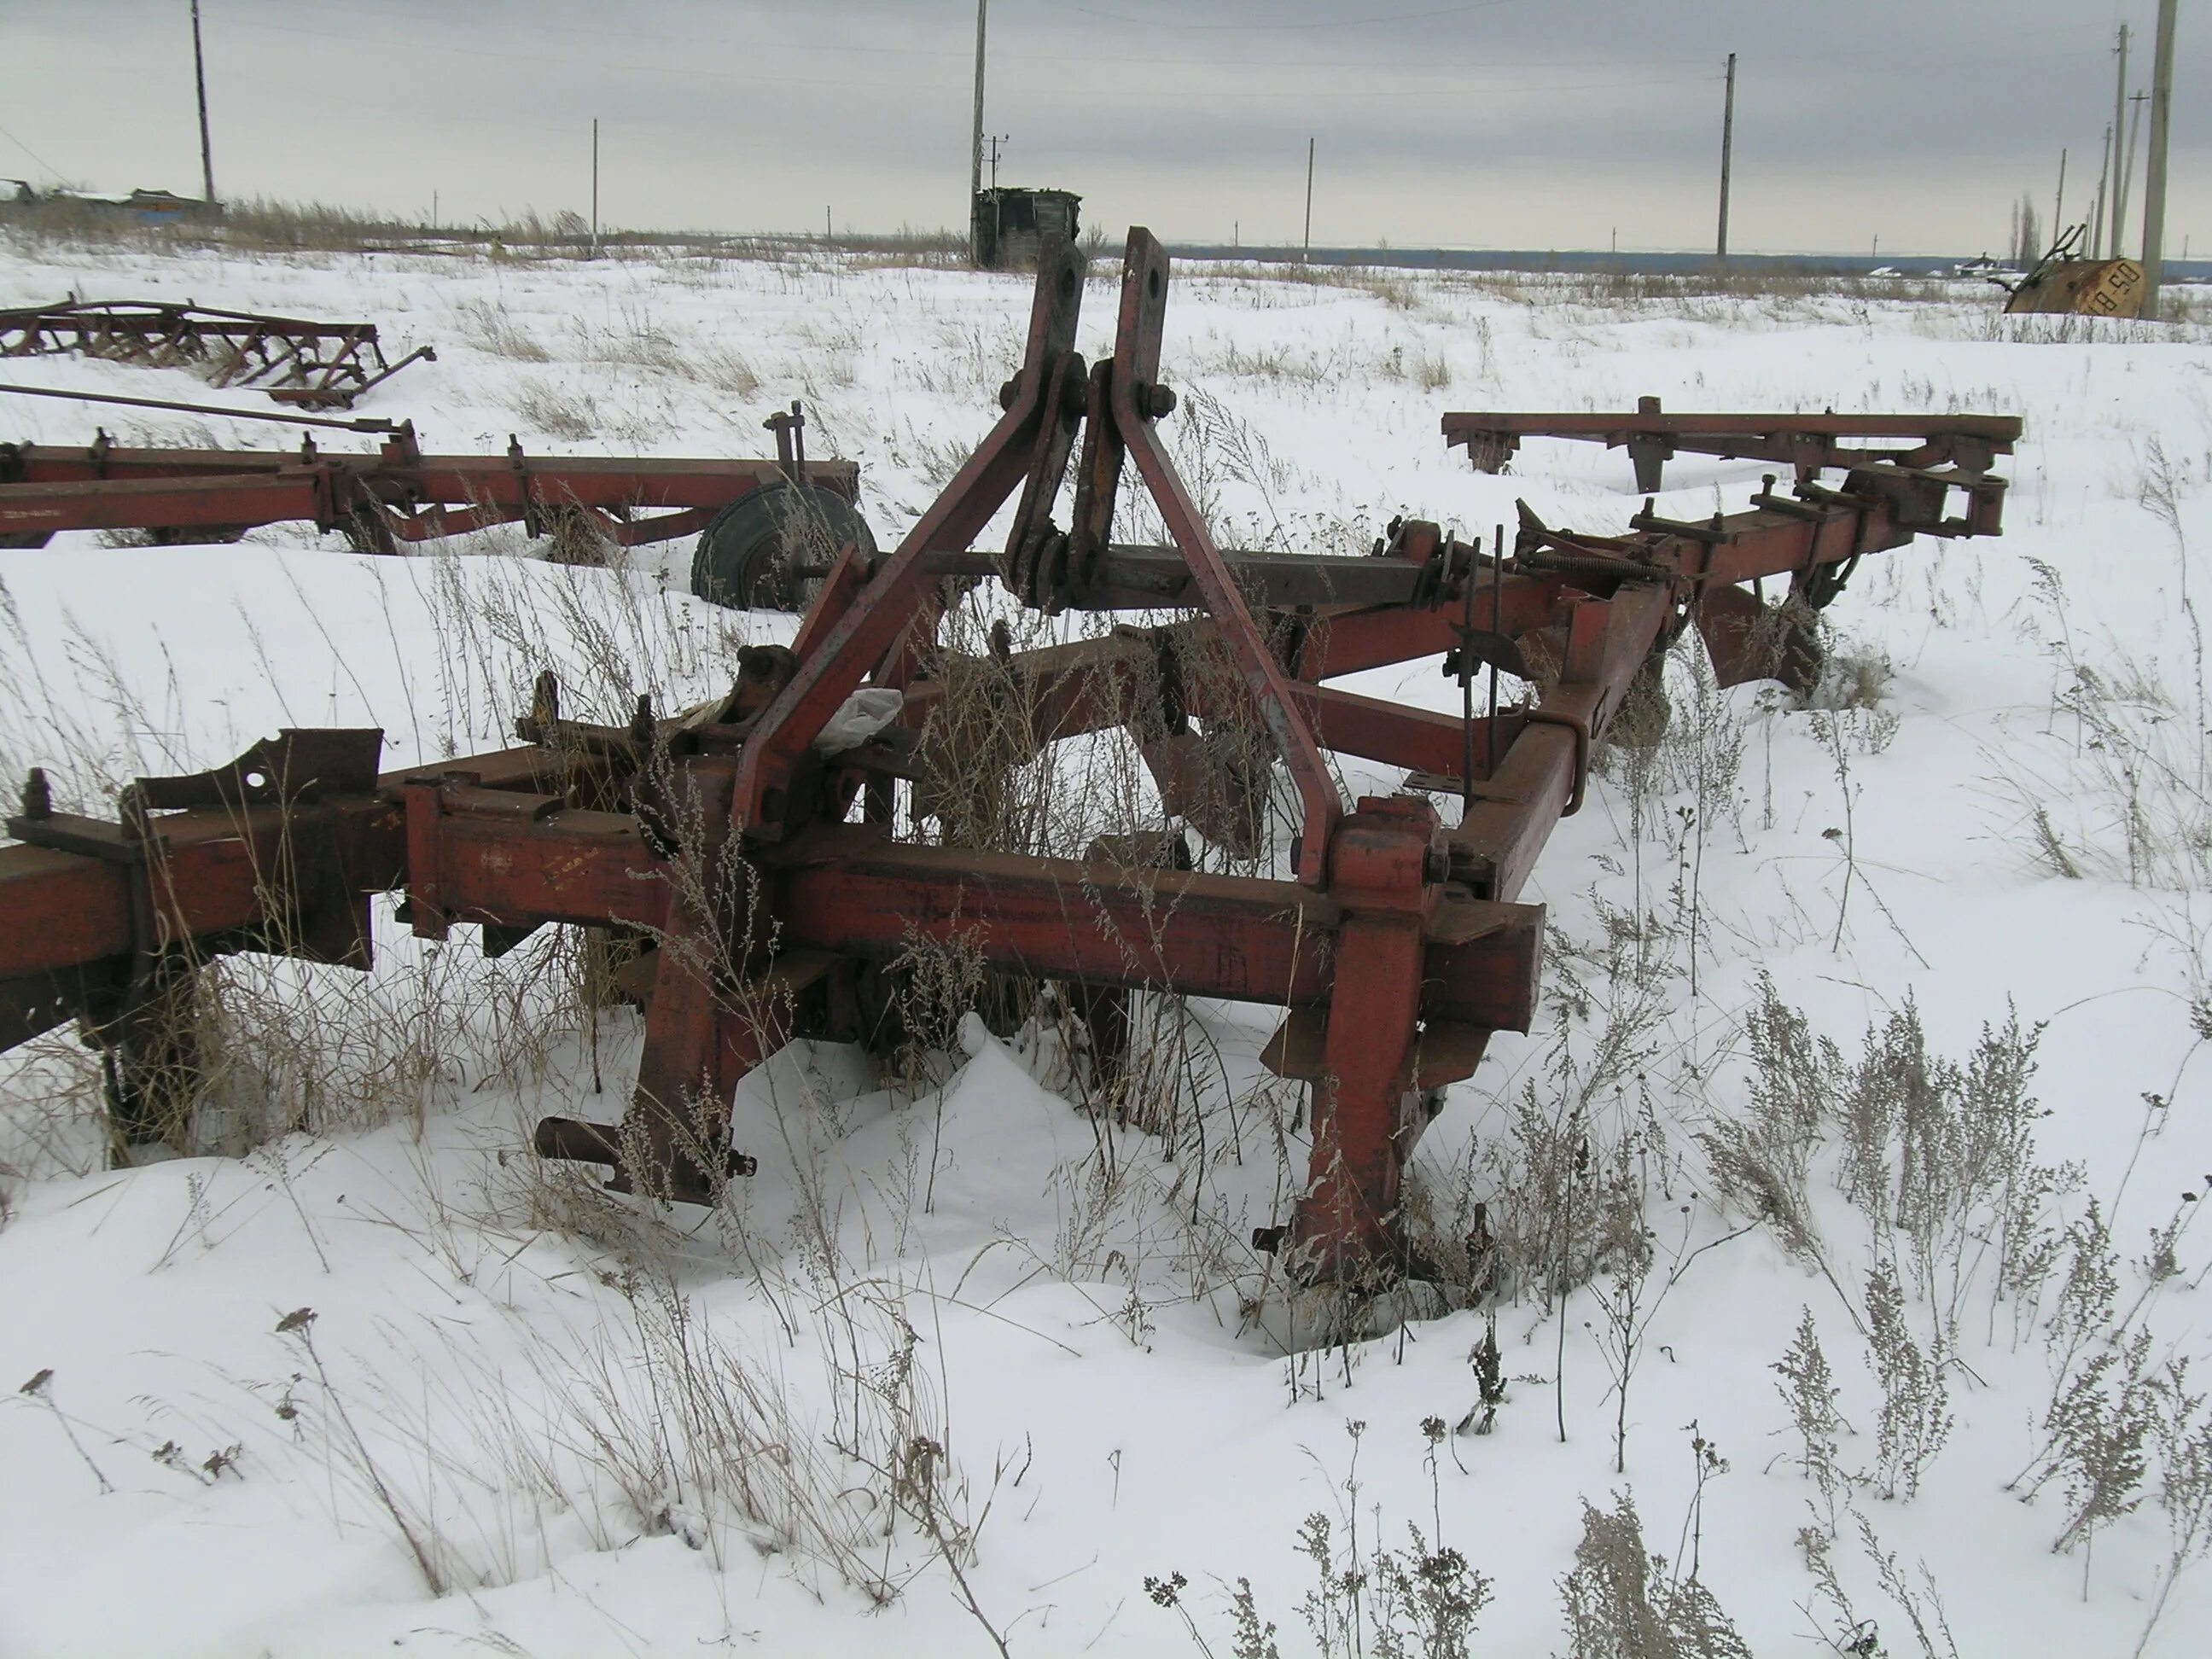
[1812,444]
[304,363]
[764,864]
[382,498]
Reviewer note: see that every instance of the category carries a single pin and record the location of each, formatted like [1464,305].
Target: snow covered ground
[966,1365]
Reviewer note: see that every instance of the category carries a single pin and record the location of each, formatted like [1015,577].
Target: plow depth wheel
[769,550]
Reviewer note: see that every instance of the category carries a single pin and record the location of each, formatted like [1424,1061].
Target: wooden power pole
[595,187]
[2119,128]
[1728,144]
[2162,110]
[199,75]
[1306,257]
[2097,208]
[2128,168]
[975,139]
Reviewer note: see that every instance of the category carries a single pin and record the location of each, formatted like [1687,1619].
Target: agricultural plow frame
[380,498]
[306,364]
[1812,444]
[765,865]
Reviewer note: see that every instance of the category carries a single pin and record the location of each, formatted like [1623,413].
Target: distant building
[148,207]
[1009,223]
[157,206]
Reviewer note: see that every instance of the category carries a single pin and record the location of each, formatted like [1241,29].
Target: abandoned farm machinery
[772,873]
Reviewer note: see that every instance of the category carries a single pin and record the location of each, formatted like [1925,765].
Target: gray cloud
[1518,123]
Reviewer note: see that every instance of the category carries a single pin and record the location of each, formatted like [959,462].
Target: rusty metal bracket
[1576,724]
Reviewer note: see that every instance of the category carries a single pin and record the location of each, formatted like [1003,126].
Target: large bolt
[1159,400]
[1008,392]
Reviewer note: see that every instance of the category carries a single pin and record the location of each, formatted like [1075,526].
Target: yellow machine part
[2089,288]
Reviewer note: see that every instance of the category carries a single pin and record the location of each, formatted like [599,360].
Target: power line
[1828,47]
[847,48]
[1830,51]
[1059,99]
[29,151]
[662,68]
[1328,24]
[1332,67]
[1487,90]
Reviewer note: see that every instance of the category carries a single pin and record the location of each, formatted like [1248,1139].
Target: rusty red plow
[773,876]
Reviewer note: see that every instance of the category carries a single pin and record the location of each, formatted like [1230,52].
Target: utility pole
[2119,126]
[1728,144]
[997,139]
[2097,212]
[2162,112]
[1306,257]
[976,142]
[595,187]
[2128,172]
[2058,207]
[199,75]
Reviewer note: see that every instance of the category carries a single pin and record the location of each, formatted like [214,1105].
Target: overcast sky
[1526,123]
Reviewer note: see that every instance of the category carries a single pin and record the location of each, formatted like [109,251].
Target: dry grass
[490,328]
[559,411]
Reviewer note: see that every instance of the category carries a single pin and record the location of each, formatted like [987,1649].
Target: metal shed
[1009,222]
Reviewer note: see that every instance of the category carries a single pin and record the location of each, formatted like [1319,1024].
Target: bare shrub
[1810,1389]
[1623,1601]
[1916,1416]
[1561,1206]
[702,1436]
[1921,1604]
[2184,1436]
[2127,794]
[1419,1598]
[1945,1155]
[1760,1161]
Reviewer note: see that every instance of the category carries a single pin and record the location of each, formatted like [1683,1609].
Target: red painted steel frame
[397,493]
[1811,443]
[308,364]
[1397,950]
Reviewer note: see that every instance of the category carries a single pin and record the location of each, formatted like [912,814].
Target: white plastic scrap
[859,717]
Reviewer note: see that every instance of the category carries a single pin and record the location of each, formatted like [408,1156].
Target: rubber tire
[745,551]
